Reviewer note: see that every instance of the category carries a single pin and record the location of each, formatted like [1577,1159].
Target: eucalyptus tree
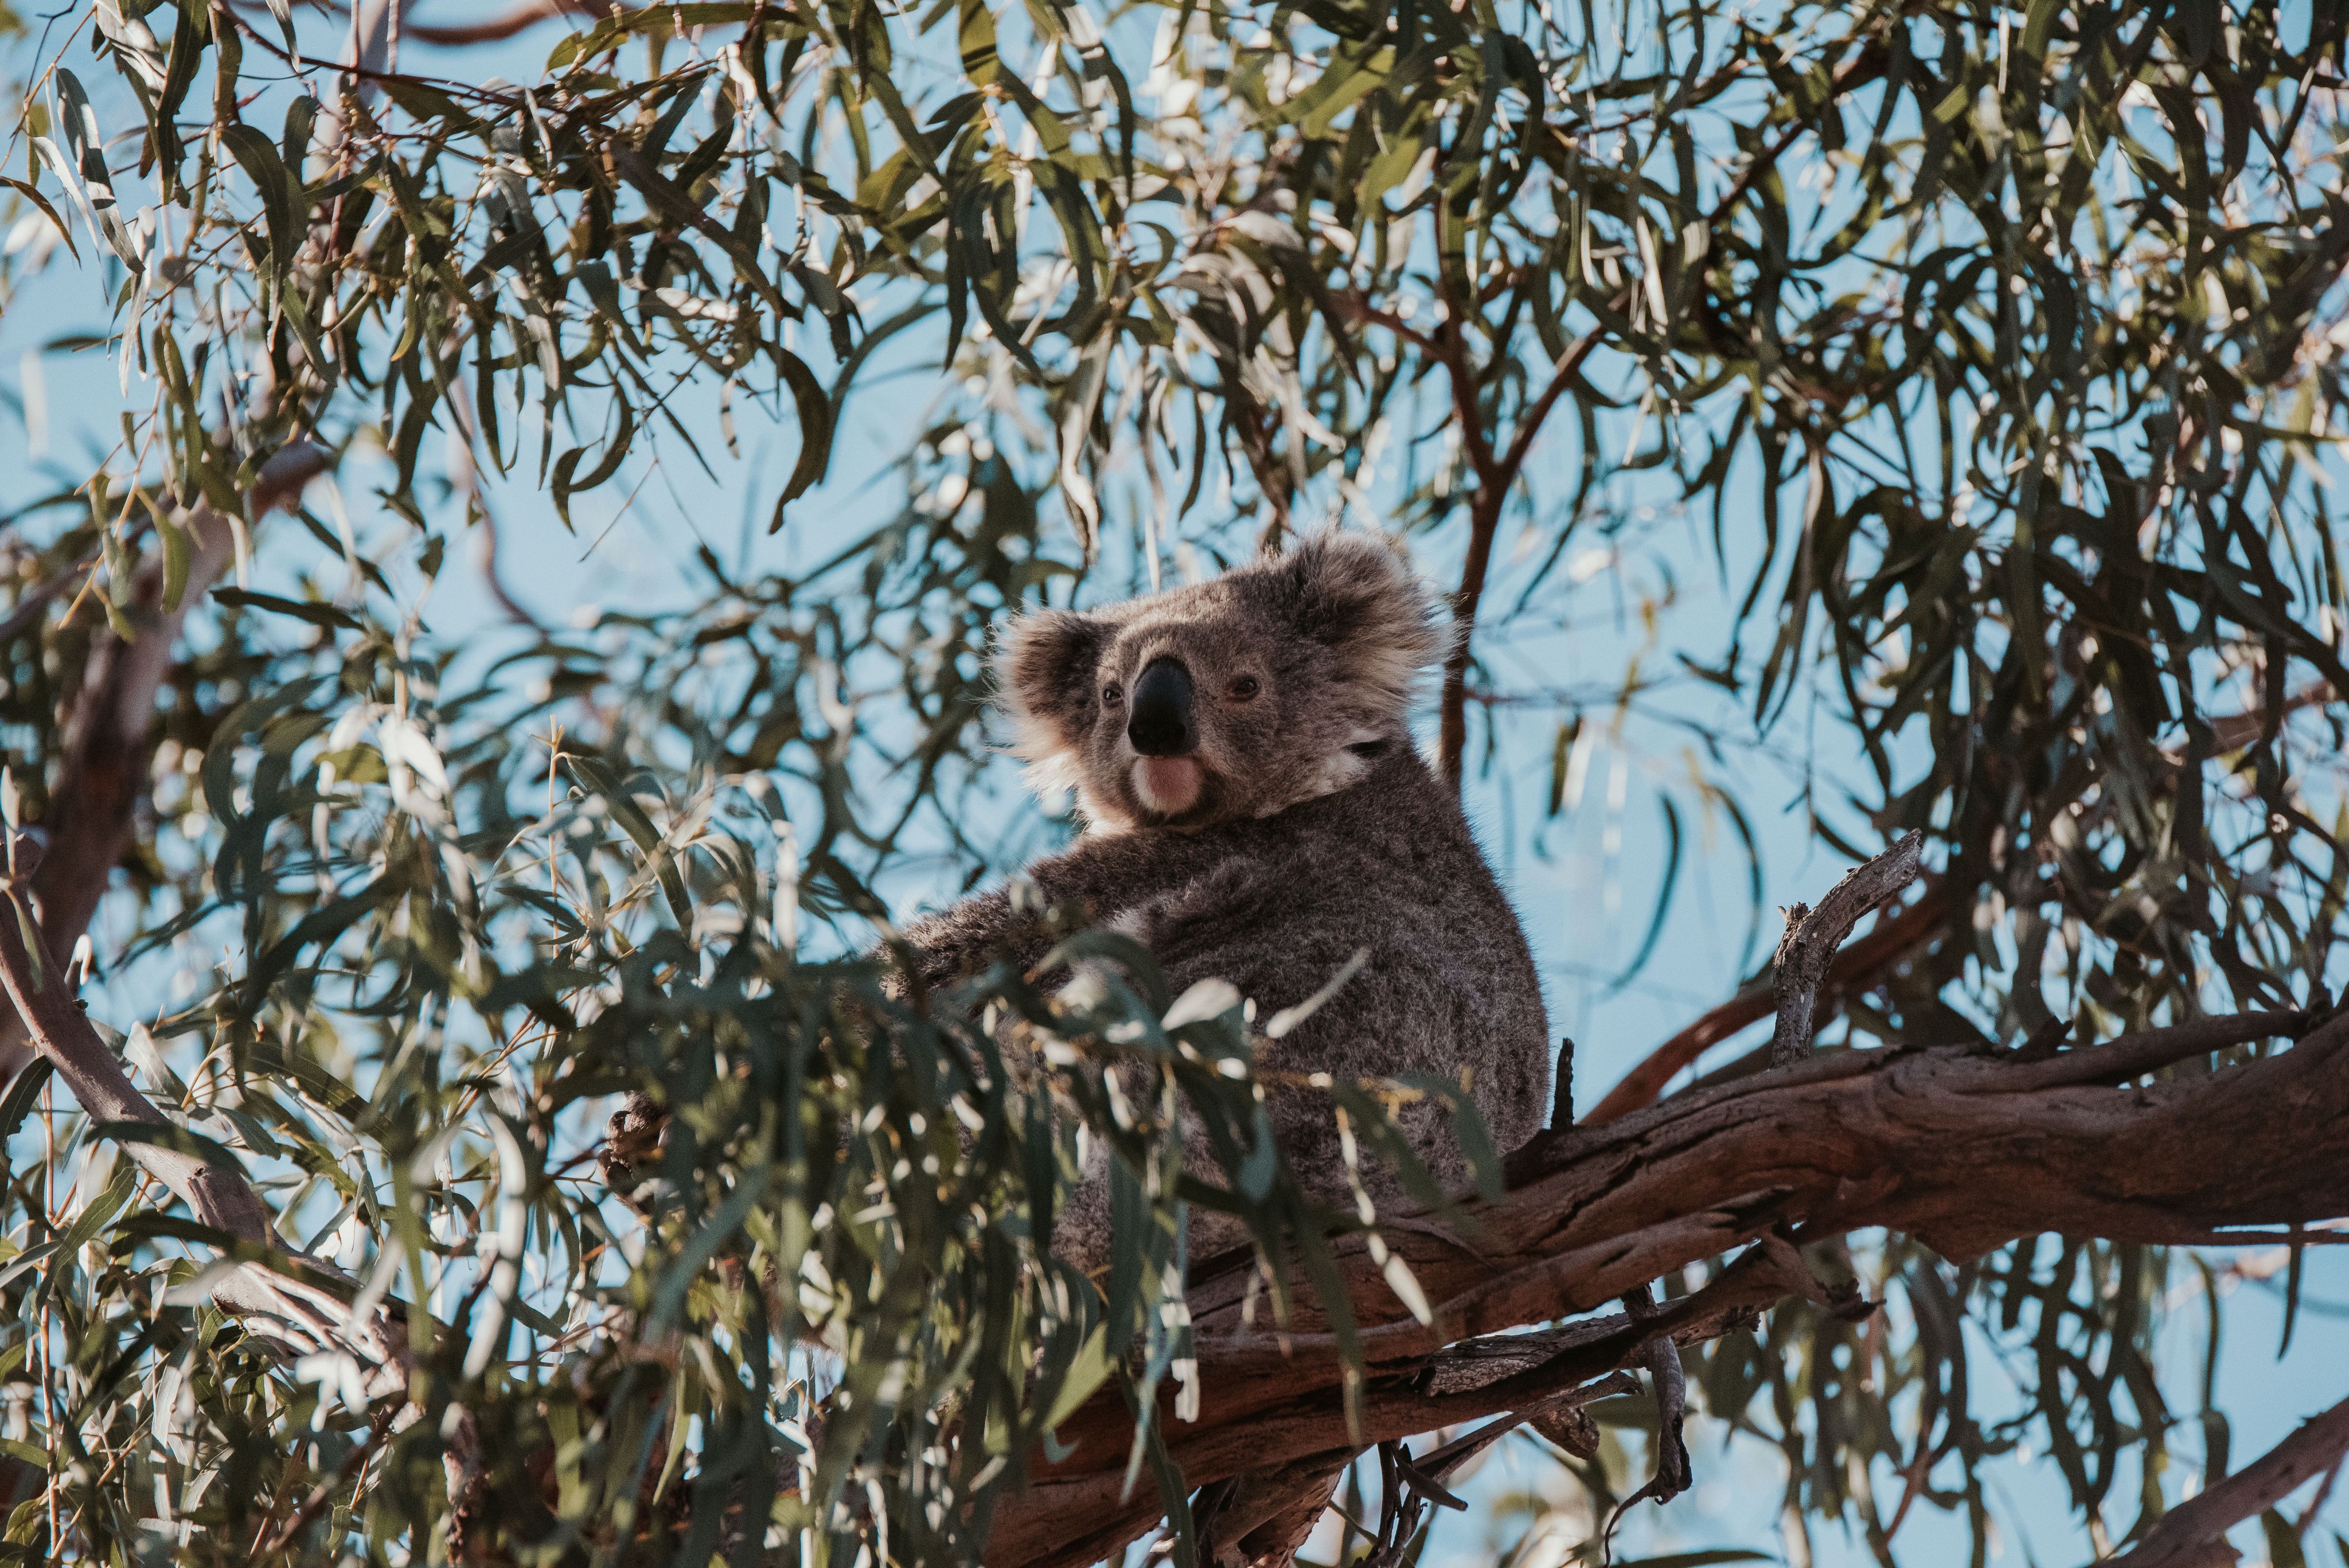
[1994,353]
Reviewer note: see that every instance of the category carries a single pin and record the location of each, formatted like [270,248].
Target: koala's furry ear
[1044,664]
[1356,596]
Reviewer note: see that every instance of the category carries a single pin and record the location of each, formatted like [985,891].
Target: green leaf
[815,410]
[1668,882]
[32,194]
[85,1227]
[563,485]
[687,1266]
[257,155]
[177,556]
[23,1090]
[674,204]
[1088,1372]
[320,615]
[639,828]
[26,1262]
[172,1136]
[2283,1540]
[86,144]
[428,105]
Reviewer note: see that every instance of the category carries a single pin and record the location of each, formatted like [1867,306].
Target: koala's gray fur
[1317,832]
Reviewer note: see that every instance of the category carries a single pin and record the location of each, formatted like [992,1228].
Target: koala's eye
[1245,688]
[1112,694]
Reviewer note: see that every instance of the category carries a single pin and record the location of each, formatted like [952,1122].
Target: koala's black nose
[1160,723]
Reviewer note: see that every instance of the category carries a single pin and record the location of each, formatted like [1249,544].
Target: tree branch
[300,1316]
[1561,376]
[1451,730]
[109,738]
[1813,936]
[2194,1533]
[295,1305]
[1495,475]
[1964,1150]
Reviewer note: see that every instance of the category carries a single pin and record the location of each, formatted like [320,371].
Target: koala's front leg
[1184,927]
[958,940]
[1219,906]
[964,938]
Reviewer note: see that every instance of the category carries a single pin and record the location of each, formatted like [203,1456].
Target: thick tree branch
[2194,1533]
[1963,1148]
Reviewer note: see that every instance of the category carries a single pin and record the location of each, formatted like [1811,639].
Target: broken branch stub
[1813,935]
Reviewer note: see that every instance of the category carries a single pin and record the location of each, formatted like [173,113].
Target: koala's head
[1273,684]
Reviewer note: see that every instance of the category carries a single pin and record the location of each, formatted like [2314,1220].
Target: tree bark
[1963,1148]
[2194,1533]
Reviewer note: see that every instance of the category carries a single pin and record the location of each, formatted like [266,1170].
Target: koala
[1255,811]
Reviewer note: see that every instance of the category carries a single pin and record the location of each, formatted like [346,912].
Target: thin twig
[324,1492]
[1441,1462]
